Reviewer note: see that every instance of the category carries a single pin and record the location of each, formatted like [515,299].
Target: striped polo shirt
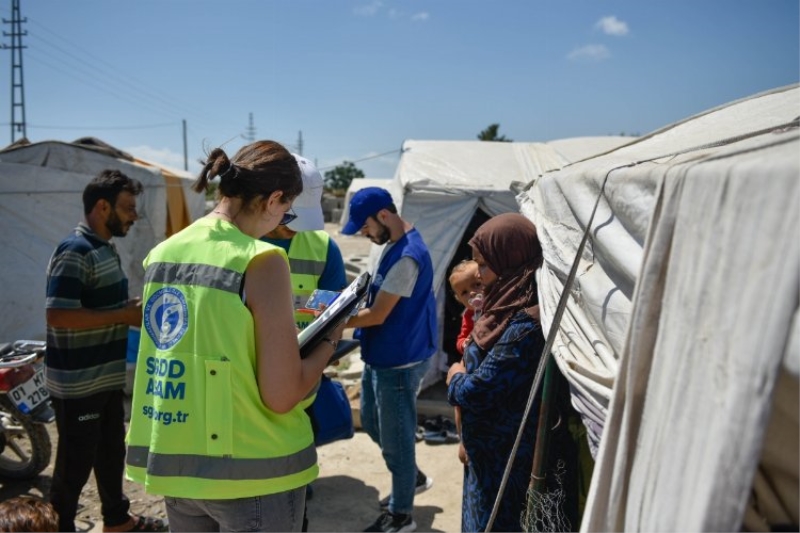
[85,272]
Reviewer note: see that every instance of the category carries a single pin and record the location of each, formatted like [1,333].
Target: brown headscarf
[511,248]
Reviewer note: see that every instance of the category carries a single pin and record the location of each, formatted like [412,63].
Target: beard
[115,225]
[382,237]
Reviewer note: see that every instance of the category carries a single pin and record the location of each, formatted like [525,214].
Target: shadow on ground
[38,486]
[343,503]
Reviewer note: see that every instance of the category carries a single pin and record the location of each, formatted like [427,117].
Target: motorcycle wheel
[25,447]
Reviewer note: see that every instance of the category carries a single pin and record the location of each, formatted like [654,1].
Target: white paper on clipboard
[332,316]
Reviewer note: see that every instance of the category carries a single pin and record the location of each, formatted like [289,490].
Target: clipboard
[332,316]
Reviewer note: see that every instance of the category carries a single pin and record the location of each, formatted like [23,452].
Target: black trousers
[91,436]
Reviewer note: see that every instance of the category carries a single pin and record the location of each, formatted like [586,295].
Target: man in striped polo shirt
[88,314]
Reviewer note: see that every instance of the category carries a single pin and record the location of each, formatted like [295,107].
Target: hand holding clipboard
[333,315]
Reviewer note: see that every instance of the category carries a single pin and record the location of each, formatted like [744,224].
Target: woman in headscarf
[493,383]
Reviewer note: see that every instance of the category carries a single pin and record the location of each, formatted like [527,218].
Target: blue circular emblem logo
[166,317]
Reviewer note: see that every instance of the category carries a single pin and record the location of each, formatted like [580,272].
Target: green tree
[338,179]
[490,134]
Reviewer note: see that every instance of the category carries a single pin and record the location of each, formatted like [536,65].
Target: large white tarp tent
[41,187]
[440,185]
[681,339]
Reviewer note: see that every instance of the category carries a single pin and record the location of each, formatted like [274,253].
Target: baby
[467,289]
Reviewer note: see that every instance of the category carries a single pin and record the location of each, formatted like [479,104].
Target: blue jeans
[276,512]
[389,416]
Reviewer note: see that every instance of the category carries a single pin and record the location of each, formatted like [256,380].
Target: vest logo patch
[166,317]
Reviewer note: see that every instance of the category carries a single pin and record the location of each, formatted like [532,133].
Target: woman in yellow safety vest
[218,424]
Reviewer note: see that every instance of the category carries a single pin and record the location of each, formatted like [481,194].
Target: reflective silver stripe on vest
[195,274]
[306,266]
[221,468]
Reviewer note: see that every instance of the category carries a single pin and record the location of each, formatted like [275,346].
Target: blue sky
[359,77]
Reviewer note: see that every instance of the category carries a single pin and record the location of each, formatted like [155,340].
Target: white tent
[41,187]
[681,339]
[446,188]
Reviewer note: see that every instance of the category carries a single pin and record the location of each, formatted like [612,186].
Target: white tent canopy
[41,187]
[682,323]
[439,186]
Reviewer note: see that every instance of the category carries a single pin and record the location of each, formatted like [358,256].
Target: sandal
[442,437]
[442,431]
[140,523]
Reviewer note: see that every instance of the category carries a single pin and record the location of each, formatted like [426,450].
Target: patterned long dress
[492,395]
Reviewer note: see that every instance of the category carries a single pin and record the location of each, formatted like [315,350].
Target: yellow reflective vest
[308,254]
[198,427]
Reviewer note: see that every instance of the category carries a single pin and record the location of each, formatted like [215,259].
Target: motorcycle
[25,447]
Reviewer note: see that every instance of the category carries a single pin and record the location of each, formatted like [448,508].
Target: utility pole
[17,87]
[300,143]
[185,150]
[250,132]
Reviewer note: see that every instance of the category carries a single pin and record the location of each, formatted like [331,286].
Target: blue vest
[409,333]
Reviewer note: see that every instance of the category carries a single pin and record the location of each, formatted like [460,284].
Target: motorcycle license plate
[30,394]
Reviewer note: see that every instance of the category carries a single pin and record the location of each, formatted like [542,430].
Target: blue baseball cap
[364,204]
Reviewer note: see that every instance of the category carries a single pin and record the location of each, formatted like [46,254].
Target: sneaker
[393,522]
[423,483]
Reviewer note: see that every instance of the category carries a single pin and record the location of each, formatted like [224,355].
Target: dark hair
[26,513]
[258,169]
[106,186]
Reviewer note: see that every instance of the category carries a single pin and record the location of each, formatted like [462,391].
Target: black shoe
[393,522]
[423,483]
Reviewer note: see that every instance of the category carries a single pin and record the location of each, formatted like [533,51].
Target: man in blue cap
[397,330]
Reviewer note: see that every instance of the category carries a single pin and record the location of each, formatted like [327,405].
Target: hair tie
[231,167]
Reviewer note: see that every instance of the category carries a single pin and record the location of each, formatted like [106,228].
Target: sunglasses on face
[288,216]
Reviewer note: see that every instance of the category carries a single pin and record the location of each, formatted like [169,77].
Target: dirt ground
[352,479]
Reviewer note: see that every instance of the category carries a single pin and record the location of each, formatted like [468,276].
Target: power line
[123,87]
[123,78]
[141,127]
[103,85]
[397,151]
